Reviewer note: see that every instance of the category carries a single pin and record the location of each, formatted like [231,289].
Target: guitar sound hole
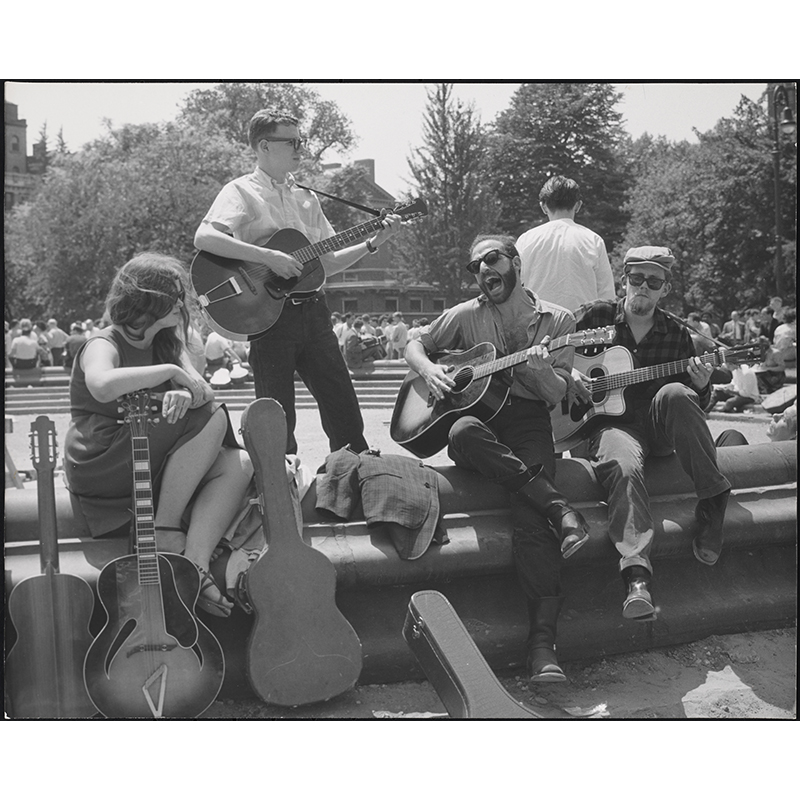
[124,633]
[462,379]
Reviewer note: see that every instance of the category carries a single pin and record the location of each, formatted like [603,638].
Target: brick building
[370,286]
[21,171]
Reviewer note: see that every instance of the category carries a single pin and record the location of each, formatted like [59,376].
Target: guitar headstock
[413,210]
[139,411]
[44,450]
[593,337]
[752,353]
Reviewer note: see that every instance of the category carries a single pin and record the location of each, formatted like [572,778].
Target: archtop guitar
[242,300]
[153,658]
[421,423]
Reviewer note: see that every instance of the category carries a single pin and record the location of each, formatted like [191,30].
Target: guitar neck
[48,526]
[350,236]
[643,374]
[517,358]
[144,512]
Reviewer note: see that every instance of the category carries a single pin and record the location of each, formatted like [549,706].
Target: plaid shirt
[666,341]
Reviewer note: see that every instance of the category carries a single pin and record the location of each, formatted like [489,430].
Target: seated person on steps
[200,474]
[515,447]
[663,415]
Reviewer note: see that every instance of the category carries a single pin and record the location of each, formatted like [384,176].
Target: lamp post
[783,123]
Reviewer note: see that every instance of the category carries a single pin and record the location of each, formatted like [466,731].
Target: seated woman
[200,473]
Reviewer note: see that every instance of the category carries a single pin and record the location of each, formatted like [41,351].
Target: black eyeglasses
[637,279]
[298,144]
[490,258]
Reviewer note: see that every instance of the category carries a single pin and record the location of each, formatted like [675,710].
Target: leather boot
[638,604]
[542,665]
[710,515]
[568,524]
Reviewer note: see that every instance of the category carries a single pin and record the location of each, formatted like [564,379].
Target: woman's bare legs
[184,471]
[223,474]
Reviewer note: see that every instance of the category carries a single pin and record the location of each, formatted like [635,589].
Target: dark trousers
[501,450]
[302,341]
[57,354]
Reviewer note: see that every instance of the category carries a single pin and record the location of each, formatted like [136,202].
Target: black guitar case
[456,668]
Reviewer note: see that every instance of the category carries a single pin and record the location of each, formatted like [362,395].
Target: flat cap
[656,256]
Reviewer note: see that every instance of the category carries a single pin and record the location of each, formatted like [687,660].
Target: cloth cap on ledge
[655,256]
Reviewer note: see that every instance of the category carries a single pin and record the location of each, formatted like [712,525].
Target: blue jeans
[520,436]
[302,341]
[674,422]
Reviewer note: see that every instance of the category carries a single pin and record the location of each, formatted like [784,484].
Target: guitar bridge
[222,291]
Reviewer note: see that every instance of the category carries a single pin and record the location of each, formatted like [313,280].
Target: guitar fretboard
[144,512]
[585,339]
[350,236]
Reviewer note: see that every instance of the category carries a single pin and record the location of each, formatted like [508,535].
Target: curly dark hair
[145,290]
[509,243]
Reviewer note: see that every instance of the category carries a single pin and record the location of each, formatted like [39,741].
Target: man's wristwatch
[371,247]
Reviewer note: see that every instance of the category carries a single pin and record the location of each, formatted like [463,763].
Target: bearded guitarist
[663,415]
[515,447]
[246,214]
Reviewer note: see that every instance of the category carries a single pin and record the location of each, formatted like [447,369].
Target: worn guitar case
[456,668]
[301,648]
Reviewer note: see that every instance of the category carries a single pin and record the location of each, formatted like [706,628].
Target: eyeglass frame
[641,278]
[474,266]
[298,143]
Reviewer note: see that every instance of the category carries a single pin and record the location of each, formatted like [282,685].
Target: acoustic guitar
[153,658]
[50,612]
[611,373]
[421,423]
[242,300]
[301,648]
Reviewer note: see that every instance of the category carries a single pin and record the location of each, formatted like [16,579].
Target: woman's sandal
[213,607]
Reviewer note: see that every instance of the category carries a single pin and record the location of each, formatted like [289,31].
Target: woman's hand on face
[175,404]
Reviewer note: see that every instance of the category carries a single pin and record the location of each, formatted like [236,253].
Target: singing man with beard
[515,448]
[662,416]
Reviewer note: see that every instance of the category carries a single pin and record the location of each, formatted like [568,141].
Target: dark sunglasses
[297,144]
[490,258]
[637,279]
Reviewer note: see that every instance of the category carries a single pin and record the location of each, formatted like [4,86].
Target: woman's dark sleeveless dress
[98,448]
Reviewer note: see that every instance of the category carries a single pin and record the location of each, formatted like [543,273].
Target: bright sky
[387,117]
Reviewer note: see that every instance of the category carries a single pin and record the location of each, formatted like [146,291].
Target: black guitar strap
[341,200]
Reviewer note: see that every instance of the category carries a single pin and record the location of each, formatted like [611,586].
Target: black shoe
[568,524]
[541,662]
[710,516]
[638,604]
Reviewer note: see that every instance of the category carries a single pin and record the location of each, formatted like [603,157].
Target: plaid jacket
[666,341]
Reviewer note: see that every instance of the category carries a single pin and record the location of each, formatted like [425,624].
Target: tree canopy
[448,170]
[570,129]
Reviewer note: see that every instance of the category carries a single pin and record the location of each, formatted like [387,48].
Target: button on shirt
[476,321]
[254,207]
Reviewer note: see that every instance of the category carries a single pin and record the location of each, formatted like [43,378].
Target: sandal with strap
[213,607]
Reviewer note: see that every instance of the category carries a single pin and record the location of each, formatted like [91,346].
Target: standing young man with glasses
[663,415]
[246,213]
[515,447]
